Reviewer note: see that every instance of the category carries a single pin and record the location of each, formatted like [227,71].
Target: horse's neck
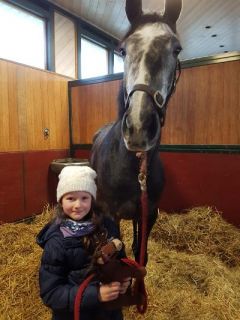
[115,149]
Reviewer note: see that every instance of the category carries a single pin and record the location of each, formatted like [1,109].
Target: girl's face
[77,204]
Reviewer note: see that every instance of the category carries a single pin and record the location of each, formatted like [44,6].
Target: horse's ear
[172,11]
[133,10]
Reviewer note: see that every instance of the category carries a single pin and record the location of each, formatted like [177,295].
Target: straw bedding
[193,268]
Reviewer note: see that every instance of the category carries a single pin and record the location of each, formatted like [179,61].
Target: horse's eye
[122,52]
[177,50]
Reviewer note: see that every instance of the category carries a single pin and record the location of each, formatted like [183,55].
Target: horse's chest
[127,210]
[126,186]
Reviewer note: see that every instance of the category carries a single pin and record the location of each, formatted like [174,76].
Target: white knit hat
[76,178]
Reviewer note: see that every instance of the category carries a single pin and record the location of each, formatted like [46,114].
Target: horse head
[150,50]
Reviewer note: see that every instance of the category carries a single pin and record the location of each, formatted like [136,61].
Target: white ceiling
[223,17]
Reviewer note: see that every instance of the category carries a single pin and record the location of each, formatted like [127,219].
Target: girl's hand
[109,292]
[124,285]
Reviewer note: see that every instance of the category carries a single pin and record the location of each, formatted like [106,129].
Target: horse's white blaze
[146,35]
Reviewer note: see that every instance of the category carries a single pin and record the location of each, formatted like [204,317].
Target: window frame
[117,53]
[91,33]
[97,43]
[45,10]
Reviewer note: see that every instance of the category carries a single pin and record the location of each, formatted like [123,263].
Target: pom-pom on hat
[76,178]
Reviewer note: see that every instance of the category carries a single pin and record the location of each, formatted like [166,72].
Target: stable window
[22,36]
[118,65]
[94,59]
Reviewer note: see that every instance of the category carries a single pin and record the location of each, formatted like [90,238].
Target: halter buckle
[156,96]
[142,179]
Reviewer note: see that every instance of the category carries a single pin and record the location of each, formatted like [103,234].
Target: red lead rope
[142,179]
[139,287]
[144,228]
[78,298]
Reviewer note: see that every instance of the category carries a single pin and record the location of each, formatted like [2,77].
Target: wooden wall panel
[31,100]
[202,179]
[215,182]
[40,182]
[231,101]
[93,106]
[203,110]
[27,183]
[9,126]
[12,199]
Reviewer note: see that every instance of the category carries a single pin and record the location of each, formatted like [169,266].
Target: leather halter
[156,95]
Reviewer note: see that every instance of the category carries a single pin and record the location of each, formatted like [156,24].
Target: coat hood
[50,230]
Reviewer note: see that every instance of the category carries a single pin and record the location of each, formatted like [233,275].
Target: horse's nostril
[153,126]
[127,125]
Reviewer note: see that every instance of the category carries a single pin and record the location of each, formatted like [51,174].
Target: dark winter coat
[64,266]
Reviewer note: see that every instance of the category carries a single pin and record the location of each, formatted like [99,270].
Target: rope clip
[142,179]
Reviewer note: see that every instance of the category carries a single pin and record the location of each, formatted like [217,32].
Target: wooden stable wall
[30,101]
[198,179]
[92,106]
[203,110]
[202,128]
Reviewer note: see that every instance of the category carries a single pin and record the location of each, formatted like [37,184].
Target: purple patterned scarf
[71,228]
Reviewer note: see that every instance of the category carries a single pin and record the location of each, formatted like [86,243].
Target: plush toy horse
[109,269]
[106,268]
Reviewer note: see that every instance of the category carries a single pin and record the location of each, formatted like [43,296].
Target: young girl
[69,242]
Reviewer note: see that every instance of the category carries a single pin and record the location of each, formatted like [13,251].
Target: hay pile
[19,261]
[199,231]
[193,269]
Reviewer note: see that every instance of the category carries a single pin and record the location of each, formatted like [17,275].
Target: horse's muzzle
[141,136]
